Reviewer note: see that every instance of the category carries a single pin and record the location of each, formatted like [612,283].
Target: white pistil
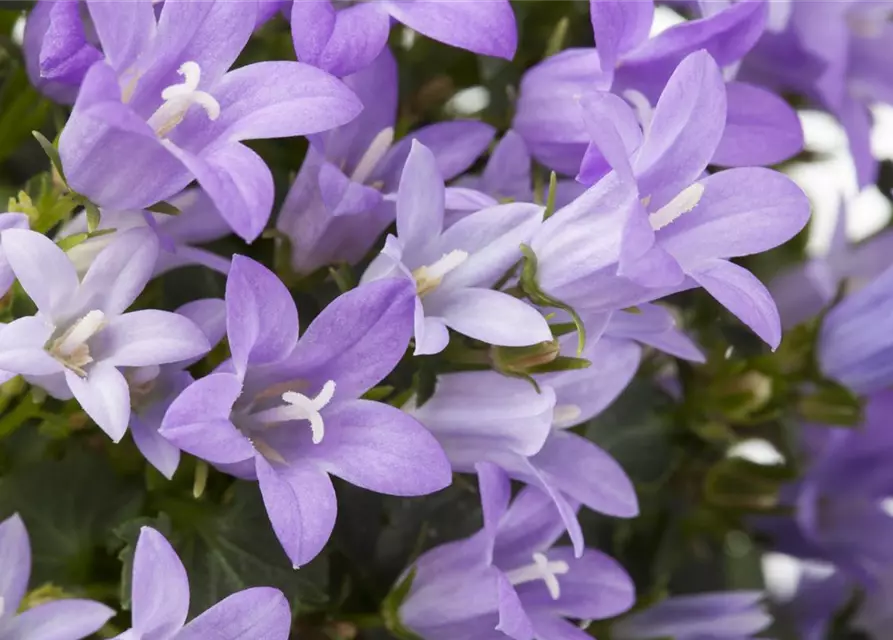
[428,278]
[71,348]
[178,98]
[373,155]
[565,414]
[299,407]
[541,569]
[687,200]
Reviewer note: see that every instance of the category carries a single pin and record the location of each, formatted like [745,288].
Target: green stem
[25,409]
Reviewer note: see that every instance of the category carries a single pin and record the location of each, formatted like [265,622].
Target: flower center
[72,348]
[429,277]
[541,569]
[687,200]
[376,151]
[178,98]
[300,407]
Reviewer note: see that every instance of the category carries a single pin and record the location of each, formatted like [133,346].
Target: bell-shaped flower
[289,412]
[160,602]
[732,615]
[197,223]
[655,225]
[161,109]
[342,39]
[9,221]
[509,580]
[81,337]
[453,269]
[338,205]
[762,128]
[153,389]
[67,619]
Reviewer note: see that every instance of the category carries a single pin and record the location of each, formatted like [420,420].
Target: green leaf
[69,507]
[390,607]
[833,405]
[52,152]
[230,547]
[550,199]
[736,483]
[165,208]
[93,216]
[69,242]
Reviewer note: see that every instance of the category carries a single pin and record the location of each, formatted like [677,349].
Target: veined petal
[160,586]
[615,134]
[70,619]
[260,612]
[104,395]
[156,449]
[148,337]
[42,268]
[22,347]
[619,27]
[490,316]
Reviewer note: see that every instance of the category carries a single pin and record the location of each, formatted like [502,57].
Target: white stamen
[178,98]
[541,569]
[427,278]
[299,407]
[687,200]
[71,347]
[565,414]
[377,148]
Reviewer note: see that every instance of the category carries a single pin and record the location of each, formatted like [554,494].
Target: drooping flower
[81,337]
[655,225]
[733,615]
[762,128]
[161,110]
[453,269]
[288,412]
[338,205]
[509,580]
[67,619]
[160,602]
[854,346]
[344,39]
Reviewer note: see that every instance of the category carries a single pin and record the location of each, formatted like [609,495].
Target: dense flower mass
[569,363]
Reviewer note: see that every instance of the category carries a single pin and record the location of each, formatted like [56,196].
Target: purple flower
[198,222]
[655,225]
[9,221]
[338,205]
[453,269]
[68,619]
[288,412]
[160,602]
[162,110]
[81,337]
[762,128]
[344,40]
[735,615]
[854,346]
[509,579]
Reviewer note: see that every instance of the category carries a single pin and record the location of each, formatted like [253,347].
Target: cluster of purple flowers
[663,143]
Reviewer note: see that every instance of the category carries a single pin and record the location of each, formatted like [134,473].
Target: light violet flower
[162,110]
[761,127]
[346,39]
[341,200]
[160,602]
[68,619]
[655,225]
[509,580]
[9,221]
[453,269]
[81,337]
[733,615]
[288,412]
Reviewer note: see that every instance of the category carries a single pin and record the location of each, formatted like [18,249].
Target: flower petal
[59,620]
[615,134]
[160,598]
[378,447]
[419,199]
[302,506]
[105,396]
[23,347]
[15,559]
[124,29]
[149,337]
[491,316]
[156,449]
[44,271]
[261,317]
[619,27]
[739,291]
[262,613]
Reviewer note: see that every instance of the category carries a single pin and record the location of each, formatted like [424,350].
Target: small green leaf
[52,152]
[165,208]
[93,216]
[390,607]
[523,359]
[69,242]
[550,199]
[378,393]
[343,277]
[833,405]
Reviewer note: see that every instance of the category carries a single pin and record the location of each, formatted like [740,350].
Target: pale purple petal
[9,221]
[155,448]
[508,171]
[261,317]
[420,199]
[380,448]
[15,561]
[160,598]
[430,334]
[209,314]
[123,28]
[148,337]
[740,292]
[513,620]
[490,316]
[655,326]
[553,628]
[198,420]
[486,28]
[615,133]
[531,524]
[342,196]
[59,620]
[496,491]
[619,26]
[23,347]
[44,271]
[302,506]
[310,43]
[261,613]
[105,396]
